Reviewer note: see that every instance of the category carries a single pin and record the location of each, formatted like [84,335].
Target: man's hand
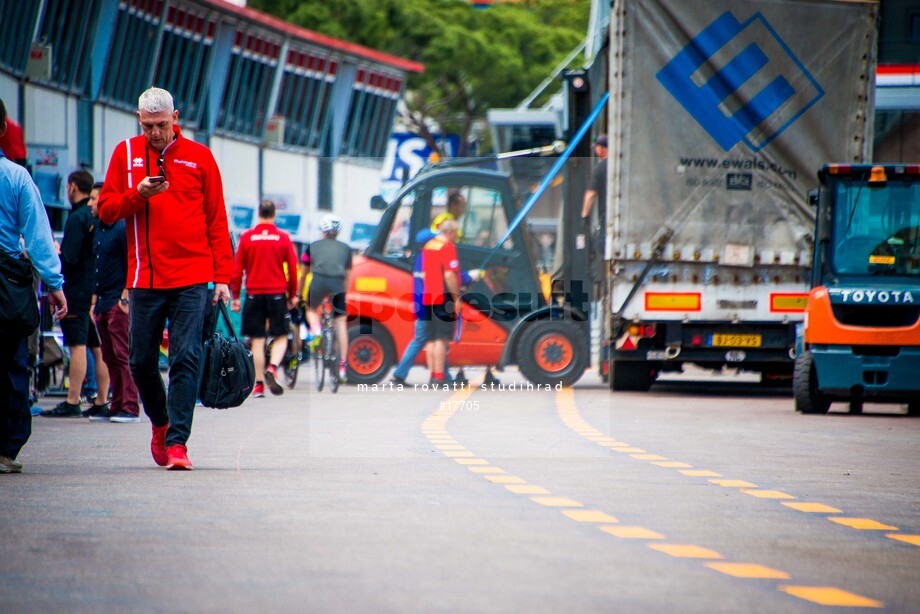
[475,274]
[293,302]
[235,305]
[221,291]
[58,303]
[148,188]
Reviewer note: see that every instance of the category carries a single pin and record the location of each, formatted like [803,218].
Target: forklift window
[398,244]
[877,229]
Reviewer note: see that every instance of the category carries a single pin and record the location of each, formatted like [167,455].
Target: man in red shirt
[13,144]
[267,257]
[169,191]
[440,293]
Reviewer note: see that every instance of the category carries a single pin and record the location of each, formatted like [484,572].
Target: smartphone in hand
[156,179]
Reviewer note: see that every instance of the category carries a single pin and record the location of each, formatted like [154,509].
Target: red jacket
[177,238]
[262,253]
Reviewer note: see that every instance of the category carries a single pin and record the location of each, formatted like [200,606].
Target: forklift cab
[509,286]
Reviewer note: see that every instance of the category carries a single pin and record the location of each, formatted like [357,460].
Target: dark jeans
[15,417]
[113,339]
[150,309]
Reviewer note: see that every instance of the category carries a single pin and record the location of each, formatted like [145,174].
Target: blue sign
[241,217]
[717,86]
[288,222]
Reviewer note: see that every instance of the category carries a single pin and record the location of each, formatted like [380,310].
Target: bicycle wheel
[332,362]
[291,365]
[319,368]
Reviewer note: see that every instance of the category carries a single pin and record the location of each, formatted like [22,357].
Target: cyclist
[267,257]
[329,261]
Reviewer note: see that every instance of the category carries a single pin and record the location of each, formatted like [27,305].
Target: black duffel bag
[227,370]
[18,302]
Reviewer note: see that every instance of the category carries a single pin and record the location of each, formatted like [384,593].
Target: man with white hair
[168,189]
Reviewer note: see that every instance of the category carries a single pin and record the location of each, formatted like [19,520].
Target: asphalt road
[708,496]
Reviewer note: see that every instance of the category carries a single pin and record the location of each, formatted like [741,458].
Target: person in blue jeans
[421,327]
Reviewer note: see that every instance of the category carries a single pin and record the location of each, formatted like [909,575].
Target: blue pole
[548,178]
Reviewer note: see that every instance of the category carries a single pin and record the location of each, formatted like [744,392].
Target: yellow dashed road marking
[863,524]
[767,494]
[685,551]
[823,595]
[812,508]
[829,595]
[527,489]
[471,461]
[632,532]
[556,501]
[733,483]
[910,539]
[486,469]
[449,446]
[748,570]
[590,516]
[457,454]
[505,479]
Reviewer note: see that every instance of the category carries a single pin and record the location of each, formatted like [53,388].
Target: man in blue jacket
[22,219]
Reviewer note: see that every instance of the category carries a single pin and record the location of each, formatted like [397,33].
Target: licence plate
[737,341]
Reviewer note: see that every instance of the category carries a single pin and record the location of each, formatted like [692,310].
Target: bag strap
[220,309]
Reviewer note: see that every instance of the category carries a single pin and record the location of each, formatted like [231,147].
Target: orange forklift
[860,340]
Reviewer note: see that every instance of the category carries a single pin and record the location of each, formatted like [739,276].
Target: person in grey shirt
[22,220]
[329,260]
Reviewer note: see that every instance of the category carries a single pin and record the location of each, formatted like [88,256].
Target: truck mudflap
[884,373]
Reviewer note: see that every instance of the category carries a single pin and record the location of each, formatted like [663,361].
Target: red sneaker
[258,391]
[158,445]
[178,458]
[271,379]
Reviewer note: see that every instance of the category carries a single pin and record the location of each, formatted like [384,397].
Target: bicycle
[326,357]
[290,364]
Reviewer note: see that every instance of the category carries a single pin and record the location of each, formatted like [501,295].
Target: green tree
[474,59]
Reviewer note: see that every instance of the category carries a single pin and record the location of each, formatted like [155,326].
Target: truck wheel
[913,408]
[631,375]
[370,354]
[808,399]
[552,352]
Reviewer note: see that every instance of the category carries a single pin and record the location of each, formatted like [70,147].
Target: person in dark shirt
[110,312]
[77,265]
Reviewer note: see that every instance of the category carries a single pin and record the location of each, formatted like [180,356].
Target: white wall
[290,180]
[239,169]
[353,185]
[112,127]
[9,92]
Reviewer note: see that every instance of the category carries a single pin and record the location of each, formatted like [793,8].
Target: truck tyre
[552,352]
[631,375]
[808,399]
[913,408]
[370,354]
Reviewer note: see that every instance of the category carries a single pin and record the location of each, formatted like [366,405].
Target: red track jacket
[262,253]
[177,238]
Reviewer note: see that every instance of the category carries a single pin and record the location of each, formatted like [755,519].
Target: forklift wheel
[370,354]
[808,399]
[552,352]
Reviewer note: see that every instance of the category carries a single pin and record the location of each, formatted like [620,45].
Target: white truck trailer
[721,113]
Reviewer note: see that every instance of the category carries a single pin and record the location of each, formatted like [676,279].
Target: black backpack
[19,315]
[227,370]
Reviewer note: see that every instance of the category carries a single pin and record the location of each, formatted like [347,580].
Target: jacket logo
[186,163]
[137,162]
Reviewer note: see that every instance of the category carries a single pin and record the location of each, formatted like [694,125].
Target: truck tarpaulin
[722,111]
